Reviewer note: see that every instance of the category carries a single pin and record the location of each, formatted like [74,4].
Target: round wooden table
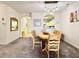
[44,37]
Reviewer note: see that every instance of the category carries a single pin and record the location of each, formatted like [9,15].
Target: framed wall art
[77,15]
[71,17]
[74,16]
[13,24]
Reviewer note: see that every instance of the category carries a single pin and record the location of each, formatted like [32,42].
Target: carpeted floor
[22,48]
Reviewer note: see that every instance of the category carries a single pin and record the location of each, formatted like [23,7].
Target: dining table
[44,36]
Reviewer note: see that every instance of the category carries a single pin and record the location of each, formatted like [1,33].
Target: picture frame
[77,16]
[71,17]
[13,24]
[74,16]
[37,22]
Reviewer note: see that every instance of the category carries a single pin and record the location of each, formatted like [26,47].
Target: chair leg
[44,49]
[58,53]
[41,45]
[33,45]
[48,54]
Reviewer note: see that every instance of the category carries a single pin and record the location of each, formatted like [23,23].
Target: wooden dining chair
[35,39]
[53,44]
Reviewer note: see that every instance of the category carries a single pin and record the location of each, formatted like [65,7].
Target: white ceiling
[35,6]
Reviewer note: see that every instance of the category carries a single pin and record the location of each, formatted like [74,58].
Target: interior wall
[2,26]
[70,30]
[37,15]
[58,20]
[7,36]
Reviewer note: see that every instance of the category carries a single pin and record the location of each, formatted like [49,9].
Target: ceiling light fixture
[49,10]
[48,2]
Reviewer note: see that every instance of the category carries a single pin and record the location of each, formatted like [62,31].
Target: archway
[25,25]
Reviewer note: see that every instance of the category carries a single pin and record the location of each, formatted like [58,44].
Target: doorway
[25,25]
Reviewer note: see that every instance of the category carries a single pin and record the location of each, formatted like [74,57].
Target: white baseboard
[74,45]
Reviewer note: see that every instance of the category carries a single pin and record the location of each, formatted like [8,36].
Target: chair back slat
[54,41]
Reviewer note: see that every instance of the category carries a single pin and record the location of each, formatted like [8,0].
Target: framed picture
[74,16]
[71,17]
[37,22]
[77,15]
[13,24]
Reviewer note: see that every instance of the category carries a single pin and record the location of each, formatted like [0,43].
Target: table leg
[43,44]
